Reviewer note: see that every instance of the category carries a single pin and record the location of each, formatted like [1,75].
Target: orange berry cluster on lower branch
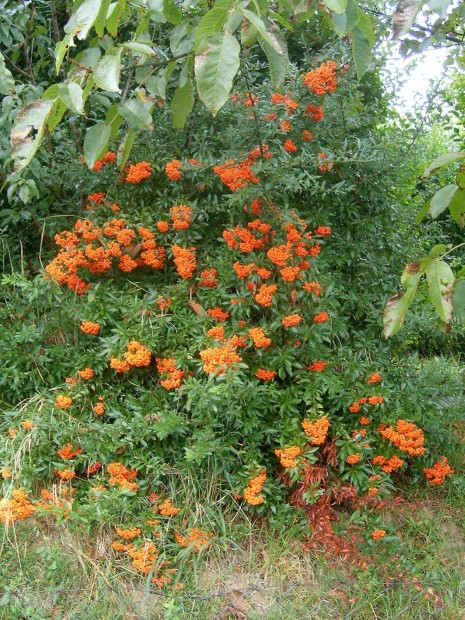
[288,457]
[436,474]
[136,354]
[406,436]
[15,508]
[252,492]
[122,477]
[195,538]
[316,430]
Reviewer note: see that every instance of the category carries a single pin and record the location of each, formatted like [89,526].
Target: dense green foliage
[324,181]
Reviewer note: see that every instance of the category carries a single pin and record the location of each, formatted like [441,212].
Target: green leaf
[137,114]
[396,309]
[60,51]
[99,23]
[82,20]
[125,148]
[397,306]
[440,282]
[114,120]
[441,199]
[114,15]
[422,213]
[353,15]
[140,48]
[171,12]
[363,39]
[458,300]
[88,87]
[263,31]
[52,92]
[337,6]
[457,207]
[72,96]
[278,61]
[460,178]
[339,23]
[403,17]
[89,57]
[281,20]
[56,114]
[441,161]
[249,34]
[7,83]
[439,249]
[213,21]
[182,104]
[216,65]
[28,130]
[413,272]
[96,143]
[108,70]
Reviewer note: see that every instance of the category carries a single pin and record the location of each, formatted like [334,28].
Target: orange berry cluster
[352,459]
[129,533]
[218,314]
[315,111]
[252,491]
[436,474]
[15,508]
[316,430]
[66,474]
[217,360]
[89,327]
[181,216]
[195,538]
[86,373]
[109,158]
[406,436]
[378,534]
[388,465]
[321,80]
[68,452]
[318,366]
[235,175]
[138,172]
[288,457]
[121,476]
[136,355]
[291,105]
[259,338]
[99,408]
[291,320]
[93,248]
[184,260]
[264,296]
[172,170]
[166,509]
[321,317]
[209,278]
[265,375]
[174,378]
[63,402]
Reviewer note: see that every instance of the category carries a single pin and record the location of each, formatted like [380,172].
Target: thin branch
[56,29]
[78,64]
[156,64]
[16,68]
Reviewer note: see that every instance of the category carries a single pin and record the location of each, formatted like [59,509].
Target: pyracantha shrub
[193,342]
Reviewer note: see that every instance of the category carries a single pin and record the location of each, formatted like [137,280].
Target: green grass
[48,572]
